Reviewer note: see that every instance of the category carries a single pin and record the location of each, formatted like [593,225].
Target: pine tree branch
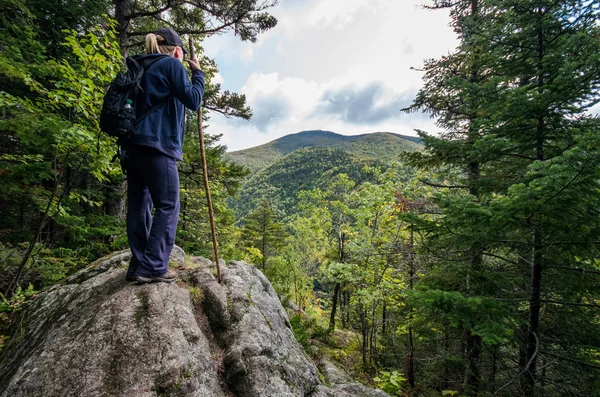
[158,11]
[500,257]
[225,113]
[443,186]
[575,269]
[526,369]
[562,189]
[573,360]
[570,303]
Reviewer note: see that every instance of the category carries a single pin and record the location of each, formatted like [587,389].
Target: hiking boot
[168,277]
[132,269]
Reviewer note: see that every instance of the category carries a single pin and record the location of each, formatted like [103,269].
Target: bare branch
[590,365]
[575,269]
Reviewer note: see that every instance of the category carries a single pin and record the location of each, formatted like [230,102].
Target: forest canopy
[467,267]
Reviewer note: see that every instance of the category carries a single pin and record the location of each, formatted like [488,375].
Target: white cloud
[218,79]
[346,48]
[288,105]
[336,13]
[303,94]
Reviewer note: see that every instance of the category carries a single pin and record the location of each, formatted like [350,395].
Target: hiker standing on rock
[151,155]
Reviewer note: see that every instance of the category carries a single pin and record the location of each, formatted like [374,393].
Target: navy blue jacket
[166,83]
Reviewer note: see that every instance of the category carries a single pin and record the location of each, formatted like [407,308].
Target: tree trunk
[410,366]
[347,298]
[383,318]
[334,299]
[123,10]
[533,338]
[473,342]
[184,205]
[363,328]
[473,347]
[296,295]
[529,371]
[446,376]
[492,380]
[372,339]
[343,308]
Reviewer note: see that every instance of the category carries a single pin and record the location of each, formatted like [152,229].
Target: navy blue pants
[152,180]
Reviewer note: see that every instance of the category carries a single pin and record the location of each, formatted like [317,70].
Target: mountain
[303,169]
[380,146]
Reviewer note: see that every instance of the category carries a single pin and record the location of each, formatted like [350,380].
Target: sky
[346,66]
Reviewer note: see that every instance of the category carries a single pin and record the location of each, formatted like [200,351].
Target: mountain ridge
[382,146]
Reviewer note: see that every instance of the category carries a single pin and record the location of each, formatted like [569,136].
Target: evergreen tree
[518,160]
[264,231]
[456,92]
[546,84]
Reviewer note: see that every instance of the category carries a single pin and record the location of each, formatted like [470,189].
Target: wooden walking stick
[211,214]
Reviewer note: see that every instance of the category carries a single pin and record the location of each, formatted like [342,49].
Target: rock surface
[332,371]
[98,335]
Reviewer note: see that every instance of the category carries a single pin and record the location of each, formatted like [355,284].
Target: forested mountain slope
[303,169]
[381,146]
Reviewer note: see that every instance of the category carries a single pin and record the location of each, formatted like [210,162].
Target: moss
[113,371]
[321,376]
[196,296]
[142,310]
[164,386]
[189,264]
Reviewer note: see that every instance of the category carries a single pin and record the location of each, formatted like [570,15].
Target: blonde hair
[153,46]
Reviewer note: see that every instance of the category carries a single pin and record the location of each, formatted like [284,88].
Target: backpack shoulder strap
[147,66]
[152,109]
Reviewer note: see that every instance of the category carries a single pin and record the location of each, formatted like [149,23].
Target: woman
[152,175]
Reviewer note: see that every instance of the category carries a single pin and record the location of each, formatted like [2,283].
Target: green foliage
[390,382]
[306,328]
[482,316]
[56,153]
[263,230]
[303,169]
[449,393]
[520,176]
[53,16]
[196,296]
[194,233]
[15,303]
[247,19]
[9,307]
[444,272]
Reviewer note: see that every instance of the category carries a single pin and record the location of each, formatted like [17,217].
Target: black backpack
[116,118]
